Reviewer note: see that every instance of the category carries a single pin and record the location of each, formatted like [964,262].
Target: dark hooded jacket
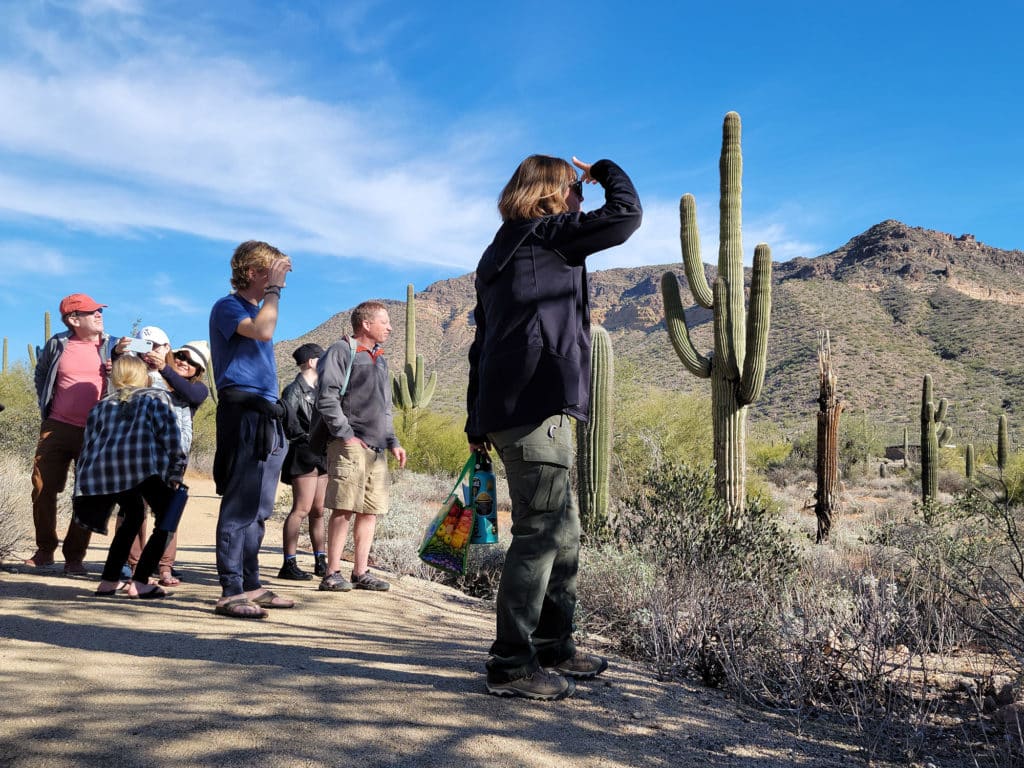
[530,358]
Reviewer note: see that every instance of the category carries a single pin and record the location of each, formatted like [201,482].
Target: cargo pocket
[549,474]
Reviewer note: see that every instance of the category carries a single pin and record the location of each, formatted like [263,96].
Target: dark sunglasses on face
[87,314]
[183,356]
[577,187]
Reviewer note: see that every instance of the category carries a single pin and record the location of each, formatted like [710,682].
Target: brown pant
[139,542]
[59,445]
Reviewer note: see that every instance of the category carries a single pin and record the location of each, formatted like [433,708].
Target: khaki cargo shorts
[358,479]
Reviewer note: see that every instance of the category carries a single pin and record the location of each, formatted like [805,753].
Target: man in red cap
[71,377]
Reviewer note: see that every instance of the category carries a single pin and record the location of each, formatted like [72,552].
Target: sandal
[240,608]
[269,600]
[154,594]
[168,579]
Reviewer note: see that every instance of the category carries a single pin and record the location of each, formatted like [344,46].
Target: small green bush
[19,422]
[434,443]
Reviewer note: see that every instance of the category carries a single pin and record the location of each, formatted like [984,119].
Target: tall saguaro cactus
[411,388]
[933,435]
[737,365]
[827,465]
[35,352]
[593,439]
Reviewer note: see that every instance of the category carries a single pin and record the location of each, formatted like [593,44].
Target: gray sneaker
[371,582]
[335,582]
[581,666]
[540,686]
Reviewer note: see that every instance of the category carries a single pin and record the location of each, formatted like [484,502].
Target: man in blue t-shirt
[251,445]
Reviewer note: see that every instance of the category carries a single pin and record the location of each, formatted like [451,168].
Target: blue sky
[142,141]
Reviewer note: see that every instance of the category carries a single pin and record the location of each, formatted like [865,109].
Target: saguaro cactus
[4,369]
[737,366]
[969,468]
[1002,444]
[933,435]
[35,352]
[827,465]
[411,388]
[906,448]
[593,439]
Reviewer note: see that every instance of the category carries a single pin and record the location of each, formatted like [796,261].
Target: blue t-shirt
[239,361]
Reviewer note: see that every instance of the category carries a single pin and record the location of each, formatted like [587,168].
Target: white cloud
[19,258]
[208,146]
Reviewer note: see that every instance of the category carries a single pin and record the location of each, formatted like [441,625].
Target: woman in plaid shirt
[131,452]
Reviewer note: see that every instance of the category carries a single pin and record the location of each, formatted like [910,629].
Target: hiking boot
[582,666]
[540,686]
[371,582]
[335,582]
[75,568]
[291,571]
[40,559]
[320,569]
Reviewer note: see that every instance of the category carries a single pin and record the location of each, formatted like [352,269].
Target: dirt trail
[361,679]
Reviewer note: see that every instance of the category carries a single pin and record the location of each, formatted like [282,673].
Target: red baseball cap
[78,302]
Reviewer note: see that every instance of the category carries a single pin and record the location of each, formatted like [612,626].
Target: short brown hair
[252,254]
[364,312]
[536,189]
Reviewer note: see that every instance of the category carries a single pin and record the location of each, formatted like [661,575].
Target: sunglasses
[577,187]
[77,313]
[184,357]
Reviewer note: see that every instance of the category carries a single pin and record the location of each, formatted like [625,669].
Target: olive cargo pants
[537,593]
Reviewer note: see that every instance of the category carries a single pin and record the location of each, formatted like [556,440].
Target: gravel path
[362,679]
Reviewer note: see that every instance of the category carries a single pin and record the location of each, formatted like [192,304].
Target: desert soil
[360,678]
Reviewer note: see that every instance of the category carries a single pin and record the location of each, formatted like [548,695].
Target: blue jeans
[537,593]
[248,495]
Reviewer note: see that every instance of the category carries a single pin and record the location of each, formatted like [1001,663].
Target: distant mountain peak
[892,250]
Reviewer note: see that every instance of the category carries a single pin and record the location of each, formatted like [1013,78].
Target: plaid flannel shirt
[127,441]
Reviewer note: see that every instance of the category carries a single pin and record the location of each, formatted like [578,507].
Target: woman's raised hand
[585,167]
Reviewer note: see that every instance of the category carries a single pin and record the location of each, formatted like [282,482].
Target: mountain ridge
[899,301]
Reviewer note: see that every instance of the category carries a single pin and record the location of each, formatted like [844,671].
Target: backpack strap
[353,345]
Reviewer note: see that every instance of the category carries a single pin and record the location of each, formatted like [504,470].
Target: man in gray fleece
[353,398]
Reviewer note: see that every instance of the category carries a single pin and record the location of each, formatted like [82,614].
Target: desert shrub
[15,503]
[1013,478]
[697,573]
[204,437]
[653,427]
[767,447]
[435,443]
[19,422]
[860,439]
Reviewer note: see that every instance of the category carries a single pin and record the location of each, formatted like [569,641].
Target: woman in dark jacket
[529,372]
[304,469]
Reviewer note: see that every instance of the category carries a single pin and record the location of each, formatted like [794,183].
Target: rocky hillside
[899,301]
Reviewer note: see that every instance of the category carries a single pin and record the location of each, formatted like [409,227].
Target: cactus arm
[428,390]
[403,384]
[678,333]
[32,357]
[396,392]
[723,339]
[689,239]
[940,413]
[945,435]
[758,323]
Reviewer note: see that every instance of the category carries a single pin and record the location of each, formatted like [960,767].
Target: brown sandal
[240,608]
[269,600]
[168,579]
